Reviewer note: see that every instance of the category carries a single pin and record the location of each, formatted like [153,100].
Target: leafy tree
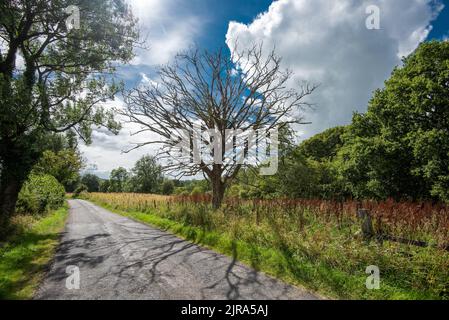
[196,191]
[39,194]
[81,188]
[92,182]
[64,165]
[400,147]
[305,171]
[325,145]
[59,86]
[105,186]
[146,176]
[118,179]
[168,187]
[185,187]
[313,172]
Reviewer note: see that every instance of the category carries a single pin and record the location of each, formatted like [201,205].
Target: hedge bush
[82,188]
[39,194]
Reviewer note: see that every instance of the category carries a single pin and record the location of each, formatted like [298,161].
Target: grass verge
[24,258]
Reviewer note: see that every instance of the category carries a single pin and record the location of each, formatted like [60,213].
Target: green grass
[324,258]
[25,257]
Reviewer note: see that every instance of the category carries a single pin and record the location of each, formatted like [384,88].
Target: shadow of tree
[156,255]
[21,262]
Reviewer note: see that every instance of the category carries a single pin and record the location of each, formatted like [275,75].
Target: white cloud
[106,152]
[166,29]
[327,42]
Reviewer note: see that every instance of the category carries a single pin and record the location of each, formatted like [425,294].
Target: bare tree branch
[210,91]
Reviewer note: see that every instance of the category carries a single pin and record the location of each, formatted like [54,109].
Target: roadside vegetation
[316,244]
[34,230]
[25,256]
[58,90]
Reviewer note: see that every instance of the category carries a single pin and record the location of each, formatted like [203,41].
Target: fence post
[367,224]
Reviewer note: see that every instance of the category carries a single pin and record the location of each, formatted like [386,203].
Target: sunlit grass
[26,255]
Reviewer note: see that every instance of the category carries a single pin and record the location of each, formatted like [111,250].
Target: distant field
[131,200]
[316,244]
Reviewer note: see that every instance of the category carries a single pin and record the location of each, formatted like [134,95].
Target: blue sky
[215,16]
[441,24]
[224,11]
[321,41]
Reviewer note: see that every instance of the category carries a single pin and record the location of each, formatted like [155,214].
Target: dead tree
[215,92]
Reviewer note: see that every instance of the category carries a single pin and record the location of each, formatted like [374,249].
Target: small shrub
[39,194]
[168,187]
[196,191]
[82,188]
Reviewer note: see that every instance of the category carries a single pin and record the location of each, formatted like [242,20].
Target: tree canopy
[400,147]
[146,176]
[62,81]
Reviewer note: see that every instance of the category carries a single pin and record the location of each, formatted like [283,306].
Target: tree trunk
[9,192]
[218,190]
[16,165]
[367,224]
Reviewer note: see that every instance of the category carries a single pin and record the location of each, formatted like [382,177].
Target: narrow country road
[119,258]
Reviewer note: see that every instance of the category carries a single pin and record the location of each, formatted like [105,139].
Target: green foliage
[325,145]
[66,76]
[186,187]
[146,176]
[39,194]
[105,36]
[82,188]
[168,187]
[64,165]
[196,191]
[92,182]
[105,185]
[118,180]
[25,256]
[400,147]
[305,171]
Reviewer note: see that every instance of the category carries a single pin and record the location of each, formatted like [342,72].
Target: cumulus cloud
[166,29]
[327,43]
[107,150]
